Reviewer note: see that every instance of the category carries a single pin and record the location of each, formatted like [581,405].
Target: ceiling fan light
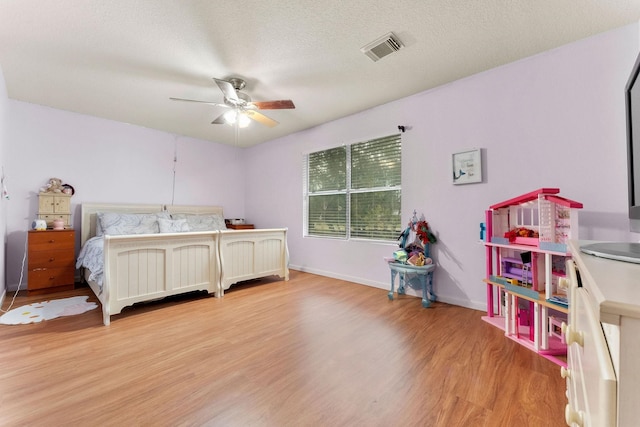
[231,116]
[243,120]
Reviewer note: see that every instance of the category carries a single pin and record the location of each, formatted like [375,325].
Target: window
[354,191]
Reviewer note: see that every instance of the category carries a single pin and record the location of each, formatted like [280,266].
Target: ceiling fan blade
[227,89]
[281,104]
[202,102]
[219,120]
[260,118]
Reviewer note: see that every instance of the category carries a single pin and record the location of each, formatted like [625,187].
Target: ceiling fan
[242,108]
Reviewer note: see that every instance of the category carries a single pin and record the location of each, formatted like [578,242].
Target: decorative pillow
[209,222]
[114,223]
[173,225]
[99,231]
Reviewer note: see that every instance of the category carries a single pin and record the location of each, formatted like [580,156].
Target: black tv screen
[632,101]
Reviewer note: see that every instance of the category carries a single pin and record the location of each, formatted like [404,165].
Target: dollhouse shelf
[556,351]
[526,248]
[526,294]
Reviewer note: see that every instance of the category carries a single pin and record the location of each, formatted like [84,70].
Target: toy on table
[417,252]
[412,262]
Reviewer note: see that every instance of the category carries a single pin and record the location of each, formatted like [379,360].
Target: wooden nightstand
[51,261]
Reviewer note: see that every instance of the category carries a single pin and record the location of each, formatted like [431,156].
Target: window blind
[354,191]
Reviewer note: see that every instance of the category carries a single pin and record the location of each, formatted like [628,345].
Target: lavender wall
[107,161]
[552,120]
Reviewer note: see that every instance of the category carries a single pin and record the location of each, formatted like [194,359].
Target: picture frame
[467,166]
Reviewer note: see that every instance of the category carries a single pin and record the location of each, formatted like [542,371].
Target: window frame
[348,192]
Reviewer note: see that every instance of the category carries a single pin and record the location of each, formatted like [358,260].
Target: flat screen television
[627,251]
[632,101]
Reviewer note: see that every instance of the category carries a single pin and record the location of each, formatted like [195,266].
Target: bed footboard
[252,254]
[152,266]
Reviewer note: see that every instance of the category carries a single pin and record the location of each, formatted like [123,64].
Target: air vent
[382,47]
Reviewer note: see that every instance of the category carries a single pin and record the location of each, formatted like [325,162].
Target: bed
[161,255]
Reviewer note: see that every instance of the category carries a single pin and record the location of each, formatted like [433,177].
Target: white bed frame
[146,267]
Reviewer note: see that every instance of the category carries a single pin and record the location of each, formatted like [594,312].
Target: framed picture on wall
[467,166]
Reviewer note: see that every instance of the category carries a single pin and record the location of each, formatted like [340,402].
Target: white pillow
[115,223]
[173,225]
[208,222]
[99,231]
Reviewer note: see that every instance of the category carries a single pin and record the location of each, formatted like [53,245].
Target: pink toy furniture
[527,239]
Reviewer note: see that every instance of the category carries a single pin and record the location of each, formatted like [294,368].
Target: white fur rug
[47,310]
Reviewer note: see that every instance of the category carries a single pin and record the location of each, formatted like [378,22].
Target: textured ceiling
[123,59]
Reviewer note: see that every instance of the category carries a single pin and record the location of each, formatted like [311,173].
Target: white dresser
[603,337]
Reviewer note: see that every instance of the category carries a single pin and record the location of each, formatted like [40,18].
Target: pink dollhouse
[540,218]
[526,247]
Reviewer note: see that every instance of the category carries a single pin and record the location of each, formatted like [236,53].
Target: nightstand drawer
[51,259]
[51,265]
[51,240]
[49,277]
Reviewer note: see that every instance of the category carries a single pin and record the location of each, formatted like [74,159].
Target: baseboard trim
[473,305]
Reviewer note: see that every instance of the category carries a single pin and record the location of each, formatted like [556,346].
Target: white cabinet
[603,330]
[54,206]
[591,382]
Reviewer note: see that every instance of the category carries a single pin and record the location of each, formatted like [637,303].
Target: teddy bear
[53,186]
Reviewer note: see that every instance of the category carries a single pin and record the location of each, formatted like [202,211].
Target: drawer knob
[52,241]
[565,373]
[572,417]
[51,259]
[572,336]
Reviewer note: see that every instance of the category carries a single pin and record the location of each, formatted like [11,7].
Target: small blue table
[410,272]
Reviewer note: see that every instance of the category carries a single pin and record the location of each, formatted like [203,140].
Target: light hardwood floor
[313,351]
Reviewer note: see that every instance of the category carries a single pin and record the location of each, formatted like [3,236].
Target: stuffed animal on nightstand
[53,186]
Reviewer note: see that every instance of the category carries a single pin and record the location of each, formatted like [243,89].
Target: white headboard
[197,210]
[89,213]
